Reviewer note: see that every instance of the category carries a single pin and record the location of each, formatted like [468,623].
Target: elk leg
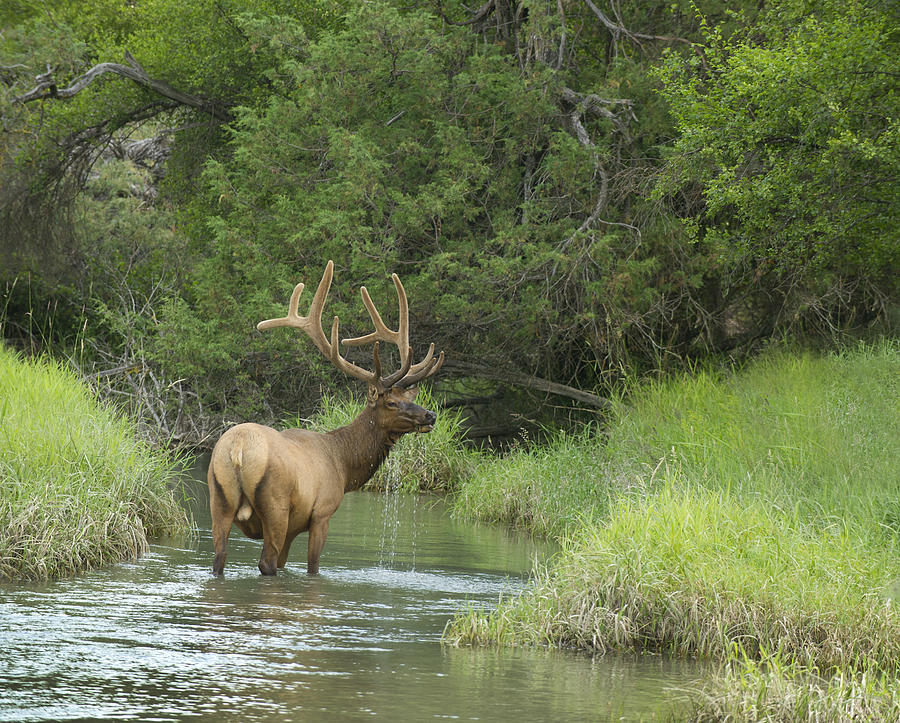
[282,557]
[274,524]
[220,530]
[318,531]
[222,517]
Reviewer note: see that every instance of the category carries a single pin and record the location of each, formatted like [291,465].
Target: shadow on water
[163,640]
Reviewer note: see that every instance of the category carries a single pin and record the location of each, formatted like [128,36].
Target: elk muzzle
[428,423]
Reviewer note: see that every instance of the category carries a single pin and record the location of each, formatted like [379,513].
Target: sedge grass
[549,490]
[813,433]
[77,488]
[770,690]
[751,512]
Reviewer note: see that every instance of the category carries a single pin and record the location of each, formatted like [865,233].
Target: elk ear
[372,396]
[410,394]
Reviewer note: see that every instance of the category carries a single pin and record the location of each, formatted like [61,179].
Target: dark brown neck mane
[364,447]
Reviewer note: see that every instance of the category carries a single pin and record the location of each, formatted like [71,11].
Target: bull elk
[274,485]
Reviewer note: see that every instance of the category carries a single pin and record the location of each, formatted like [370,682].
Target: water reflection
[163,640]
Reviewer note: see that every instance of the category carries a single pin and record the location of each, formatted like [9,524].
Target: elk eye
[391,405]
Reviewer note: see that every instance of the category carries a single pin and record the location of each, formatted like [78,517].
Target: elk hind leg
[222,514]
[282,556]
[274,528]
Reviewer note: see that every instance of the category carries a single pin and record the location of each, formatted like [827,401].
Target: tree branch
[47,88]
[507,376]
[616,29]
[597,105]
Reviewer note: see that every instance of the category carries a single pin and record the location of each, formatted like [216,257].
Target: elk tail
[237,459]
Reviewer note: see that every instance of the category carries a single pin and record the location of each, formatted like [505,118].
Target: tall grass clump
[695,572]
[815,434]
[77,488]
[549,490]
[432,462]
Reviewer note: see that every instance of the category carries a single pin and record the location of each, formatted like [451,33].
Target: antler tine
[398,377]
[346,366]
[305,323]
[399,338]
[414,377]
[311,325]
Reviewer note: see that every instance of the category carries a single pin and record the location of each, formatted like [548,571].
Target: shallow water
[163,640]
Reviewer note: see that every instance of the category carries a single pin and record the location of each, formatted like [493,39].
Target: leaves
[793,138]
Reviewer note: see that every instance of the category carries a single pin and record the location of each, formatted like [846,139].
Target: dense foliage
[571,192]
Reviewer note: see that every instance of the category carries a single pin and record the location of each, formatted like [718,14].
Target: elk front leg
[318,531]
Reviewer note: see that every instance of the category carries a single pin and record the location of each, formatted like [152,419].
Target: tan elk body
[274,485]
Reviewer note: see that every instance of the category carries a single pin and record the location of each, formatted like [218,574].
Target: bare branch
[597,105]
[476,17]
[508,376]
[618,29]
[47,88]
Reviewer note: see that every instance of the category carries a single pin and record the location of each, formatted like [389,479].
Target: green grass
[77,489]
[548,490]
[432,462]
[736,516]
[695,572]
[751,691]
[814,433]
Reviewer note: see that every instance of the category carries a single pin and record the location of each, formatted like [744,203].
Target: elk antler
[407,375]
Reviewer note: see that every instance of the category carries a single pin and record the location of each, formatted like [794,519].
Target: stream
[161,639]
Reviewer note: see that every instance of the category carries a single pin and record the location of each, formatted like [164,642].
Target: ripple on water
[161,639]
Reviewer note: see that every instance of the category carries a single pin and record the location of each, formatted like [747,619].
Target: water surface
[163,640]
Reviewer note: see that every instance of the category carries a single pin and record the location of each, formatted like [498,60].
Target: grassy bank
[815,435]
[734,516]
[77,490]
[693,572]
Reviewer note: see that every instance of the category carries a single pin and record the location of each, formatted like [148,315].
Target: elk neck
[363,446]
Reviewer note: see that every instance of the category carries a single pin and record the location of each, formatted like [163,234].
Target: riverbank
[738,517]
[77,490]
